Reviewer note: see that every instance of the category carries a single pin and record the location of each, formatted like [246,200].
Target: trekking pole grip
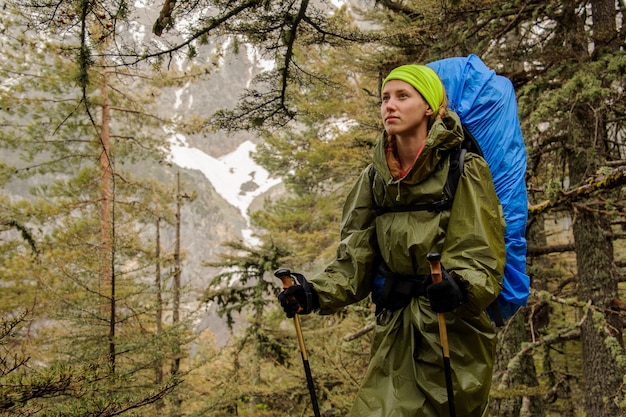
[284,275]
[434,259]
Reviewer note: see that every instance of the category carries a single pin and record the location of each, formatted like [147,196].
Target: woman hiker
[385,255]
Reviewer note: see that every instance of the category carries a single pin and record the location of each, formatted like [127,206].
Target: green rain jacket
[405,377]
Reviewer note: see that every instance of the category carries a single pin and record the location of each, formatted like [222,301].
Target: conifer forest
[98,317]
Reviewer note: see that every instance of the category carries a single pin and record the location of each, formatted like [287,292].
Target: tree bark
[597,283]
[177,273]
[177,399]
[158,368]
[597,276]
[107,278]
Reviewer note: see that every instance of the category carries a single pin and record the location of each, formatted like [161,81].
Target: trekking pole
[435,271]
[285,276]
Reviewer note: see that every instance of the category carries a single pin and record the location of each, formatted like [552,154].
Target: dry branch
[359,332]
[616,178]
[548,249]
[165,17]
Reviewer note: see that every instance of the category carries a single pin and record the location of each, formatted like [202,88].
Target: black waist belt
[398,289]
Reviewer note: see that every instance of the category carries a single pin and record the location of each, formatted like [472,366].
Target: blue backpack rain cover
[487,106]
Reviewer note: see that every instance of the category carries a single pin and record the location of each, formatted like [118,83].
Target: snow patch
[255,56]
[236,177]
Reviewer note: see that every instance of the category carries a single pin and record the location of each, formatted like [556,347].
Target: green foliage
[317,115]
[308,225]
[91,343]
[241,284]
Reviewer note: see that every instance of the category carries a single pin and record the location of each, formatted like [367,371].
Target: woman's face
[404,111]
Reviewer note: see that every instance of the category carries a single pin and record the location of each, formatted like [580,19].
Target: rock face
[214,166]
[226,188]
[217,168]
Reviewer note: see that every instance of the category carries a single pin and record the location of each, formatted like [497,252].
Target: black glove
[446,295]
[301,299]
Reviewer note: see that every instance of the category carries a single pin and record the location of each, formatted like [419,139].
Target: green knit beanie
[424,79]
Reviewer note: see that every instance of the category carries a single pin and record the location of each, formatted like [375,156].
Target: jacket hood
[445,133]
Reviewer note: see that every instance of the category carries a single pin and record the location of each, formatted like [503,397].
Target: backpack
[487,107]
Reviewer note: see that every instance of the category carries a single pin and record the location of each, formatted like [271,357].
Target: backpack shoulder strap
[470,143]
[372,174]
[457,160]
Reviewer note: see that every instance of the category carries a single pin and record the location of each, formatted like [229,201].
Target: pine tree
[244,287]
[75,130]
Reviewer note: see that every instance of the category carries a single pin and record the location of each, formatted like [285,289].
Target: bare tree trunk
[176,295]
[597,276]
[158,369]
[604,26]
[597,283]
[177,272]
[257,326]
[107,278]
